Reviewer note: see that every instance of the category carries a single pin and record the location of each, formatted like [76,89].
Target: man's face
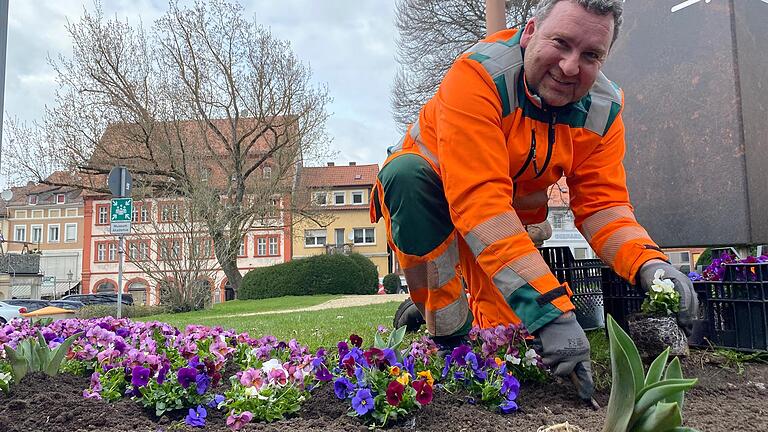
[564,52]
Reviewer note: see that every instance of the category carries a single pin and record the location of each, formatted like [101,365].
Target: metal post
[120,253]
[3,44]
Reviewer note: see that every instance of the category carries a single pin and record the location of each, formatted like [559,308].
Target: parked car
[31,304]
[67,304]
[99,298]
[9,312]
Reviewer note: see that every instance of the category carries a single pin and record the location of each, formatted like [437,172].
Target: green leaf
[396,337]
[661,417]
[659,392]
[675,371]
[19,365]
[633,356]
[52,368]
[657,368]
[378,342]
[622,399]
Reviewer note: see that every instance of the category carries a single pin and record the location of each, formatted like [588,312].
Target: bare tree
[432,34]
[205,106]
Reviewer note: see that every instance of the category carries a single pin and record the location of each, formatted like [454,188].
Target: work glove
[689,301]
[564,348]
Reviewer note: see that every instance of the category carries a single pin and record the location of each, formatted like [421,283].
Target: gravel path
[346,301]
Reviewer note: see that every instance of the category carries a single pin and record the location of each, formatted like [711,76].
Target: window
[681,260]
[321,198]
[274,206]
[20,233]
[138,250]
[241,252]
[106,287]
[36,233]
[169,212]
[357,197]
[53,233]
[70,232]
[103,215]
[60,198]
[314,237]
[557,221]
[138,291]
[203,248]
[32,199]
[274,248]
[364,236]
[580,253]
[267,173]
[261,246]
[112,249]
[170,249]
[101,252]
[338,198]
[140,213]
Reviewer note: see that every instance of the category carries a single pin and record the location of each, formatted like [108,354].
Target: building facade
[158,246]
[47,220]
[341,194]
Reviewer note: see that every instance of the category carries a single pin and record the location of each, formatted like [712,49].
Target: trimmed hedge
[104,310]
[392,284]
[320,274]
[370,273]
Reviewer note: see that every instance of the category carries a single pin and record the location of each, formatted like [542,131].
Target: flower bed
[227,380]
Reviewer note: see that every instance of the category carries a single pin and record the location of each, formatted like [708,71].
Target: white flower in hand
[662,285]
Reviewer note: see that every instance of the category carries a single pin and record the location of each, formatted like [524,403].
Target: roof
[46,194]
[559,195]
[339,176]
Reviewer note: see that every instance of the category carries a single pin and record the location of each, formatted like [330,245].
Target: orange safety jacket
[497,149]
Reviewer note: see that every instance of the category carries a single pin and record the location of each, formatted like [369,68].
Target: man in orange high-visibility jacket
[515,113]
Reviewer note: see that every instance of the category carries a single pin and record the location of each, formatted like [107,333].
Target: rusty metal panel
[696,150]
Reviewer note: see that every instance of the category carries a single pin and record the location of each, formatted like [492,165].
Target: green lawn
[315,329]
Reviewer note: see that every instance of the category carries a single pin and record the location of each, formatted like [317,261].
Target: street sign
[48,282]
[120,216]
[120,182]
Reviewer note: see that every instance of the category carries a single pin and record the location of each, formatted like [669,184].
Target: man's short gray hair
[599,7]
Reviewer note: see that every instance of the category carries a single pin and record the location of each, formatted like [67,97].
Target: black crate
[621,299]
[736,308]
[585,278]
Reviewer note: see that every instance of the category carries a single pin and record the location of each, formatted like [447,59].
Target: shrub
[392,283]
[104,310]
[370,273]
[320,274]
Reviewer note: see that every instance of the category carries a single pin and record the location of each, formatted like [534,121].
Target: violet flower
[342,387]
[202,382]
[196,417]
[187,376]
[236,422]
[362,402]
[139,376]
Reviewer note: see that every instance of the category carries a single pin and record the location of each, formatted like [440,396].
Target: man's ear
[528,30]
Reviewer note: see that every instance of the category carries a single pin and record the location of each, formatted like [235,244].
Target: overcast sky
[349,44]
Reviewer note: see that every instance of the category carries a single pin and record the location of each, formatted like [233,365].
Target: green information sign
[120,215]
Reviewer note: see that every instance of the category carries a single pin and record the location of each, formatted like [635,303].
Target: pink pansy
[278,376]
[252,378]
[236,422]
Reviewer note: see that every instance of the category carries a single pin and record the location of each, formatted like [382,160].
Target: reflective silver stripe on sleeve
[397,147]
[508,281]
[604,95]
[593,224]
[448,320]
[490,231]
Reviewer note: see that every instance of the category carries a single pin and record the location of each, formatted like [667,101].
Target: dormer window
[32,199]
[267,173]
[60,198]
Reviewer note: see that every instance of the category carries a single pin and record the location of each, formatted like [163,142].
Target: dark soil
[723,400]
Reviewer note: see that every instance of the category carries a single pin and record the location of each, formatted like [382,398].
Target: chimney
[352,163]
[330,163]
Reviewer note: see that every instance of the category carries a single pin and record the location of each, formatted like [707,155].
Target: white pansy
[271,365]
[5,377]
[510,358]
[251,391]
[530,357]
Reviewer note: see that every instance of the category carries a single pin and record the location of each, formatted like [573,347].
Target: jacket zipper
[531,156]
[550,147]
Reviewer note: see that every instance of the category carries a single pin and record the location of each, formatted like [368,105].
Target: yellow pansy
[404,379]
[394,371]
[428,375]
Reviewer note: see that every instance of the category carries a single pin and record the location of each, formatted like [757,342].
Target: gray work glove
[564,348]
[689,301]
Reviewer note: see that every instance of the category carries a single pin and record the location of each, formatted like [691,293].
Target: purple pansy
[196,417]
[362,402]
[187,376]
[139,376]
